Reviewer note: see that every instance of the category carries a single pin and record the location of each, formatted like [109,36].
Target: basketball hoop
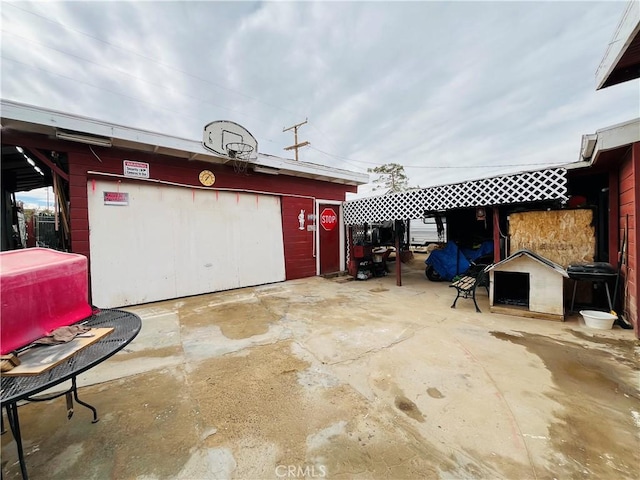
[240,153]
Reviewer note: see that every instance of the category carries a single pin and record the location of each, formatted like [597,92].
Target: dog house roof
[534,256]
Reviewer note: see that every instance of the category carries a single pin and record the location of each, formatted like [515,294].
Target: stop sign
[328,219]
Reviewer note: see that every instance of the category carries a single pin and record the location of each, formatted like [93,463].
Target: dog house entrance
[512,289]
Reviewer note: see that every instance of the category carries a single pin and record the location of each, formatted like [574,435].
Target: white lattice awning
[523,187]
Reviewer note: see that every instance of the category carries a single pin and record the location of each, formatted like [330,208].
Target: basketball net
[240,153]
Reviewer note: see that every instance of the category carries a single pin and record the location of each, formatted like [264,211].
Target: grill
[601,272]
[592,271]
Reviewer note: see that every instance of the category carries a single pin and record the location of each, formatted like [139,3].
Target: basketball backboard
[229,139]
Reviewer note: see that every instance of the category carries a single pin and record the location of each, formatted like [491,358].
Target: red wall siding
[299,252]
[78,211]
[182,171]
[629,204]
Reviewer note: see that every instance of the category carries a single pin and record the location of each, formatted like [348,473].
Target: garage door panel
[118,253]
[253,252]
[171,242]
[205,249]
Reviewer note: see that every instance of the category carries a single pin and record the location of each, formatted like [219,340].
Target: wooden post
[496,235]
[615,226]
[398,260]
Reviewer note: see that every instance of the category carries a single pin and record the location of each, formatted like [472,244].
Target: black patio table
[22,388]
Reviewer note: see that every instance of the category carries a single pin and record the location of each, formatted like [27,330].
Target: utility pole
[296,145]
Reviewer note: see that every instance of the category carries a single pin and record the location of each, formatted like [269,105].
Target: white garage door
[159,242]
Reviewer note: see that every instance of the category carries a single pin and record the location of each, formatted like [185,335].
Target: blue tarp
[444,261]
[485,248]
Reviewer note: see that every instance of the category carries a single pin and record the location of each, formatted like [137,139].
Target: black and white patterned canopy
[532,186]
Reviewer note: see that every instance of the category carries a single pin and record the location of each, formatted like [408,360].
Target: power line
[326,137]
[440,166]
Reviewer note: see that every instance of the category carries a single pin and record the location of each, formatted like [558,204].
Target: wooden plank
[525,312]
[562,236]
[464,284]
[42,358]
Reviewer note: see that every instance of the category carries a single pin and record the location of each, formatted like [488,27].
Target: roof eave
[286,166]
[32,119]
[606,139]
[627,33]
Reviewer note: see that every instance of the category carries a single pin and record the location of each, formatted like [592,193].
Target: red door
[329,226]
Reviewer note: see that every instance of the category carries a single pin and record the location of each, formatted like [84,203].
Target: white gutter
[605,139]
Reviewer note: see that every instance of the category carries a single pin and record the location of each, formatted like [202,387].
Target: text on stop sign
[329,218]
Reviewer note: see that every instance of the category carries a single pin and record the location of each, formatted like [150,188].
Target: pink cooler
[41,290]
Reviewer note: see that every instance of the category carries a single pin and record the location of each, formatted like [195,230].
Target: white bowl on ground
[599,320]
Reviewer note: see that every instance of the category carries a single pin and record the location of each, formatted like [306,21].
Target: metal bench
[466,287]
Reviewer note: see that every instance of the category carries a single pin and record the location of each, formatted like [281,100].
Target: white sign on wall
[135,169]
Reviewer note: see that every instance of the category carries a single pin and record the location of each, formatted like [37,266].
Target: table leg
[74,388]
[67,393]
[606,287]
[14,424]
[573,297]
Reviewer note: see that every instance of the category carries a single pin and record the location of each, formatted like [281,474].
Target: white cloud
[424,84]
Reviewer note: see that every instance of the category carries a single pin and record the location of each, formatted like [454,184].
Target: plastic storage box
[42,290]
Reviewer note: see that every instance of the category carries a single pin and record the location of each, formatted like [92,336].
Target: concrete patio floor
[321,378]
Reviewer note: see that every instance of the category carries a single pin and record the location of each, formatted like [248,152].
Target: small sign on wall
[135,169]
[116,198]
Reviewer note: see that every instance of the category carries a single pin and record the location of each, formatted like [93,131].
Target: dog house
[528,285]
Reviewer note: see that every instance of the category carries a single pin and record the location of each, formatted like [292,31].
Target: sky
[452,91]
